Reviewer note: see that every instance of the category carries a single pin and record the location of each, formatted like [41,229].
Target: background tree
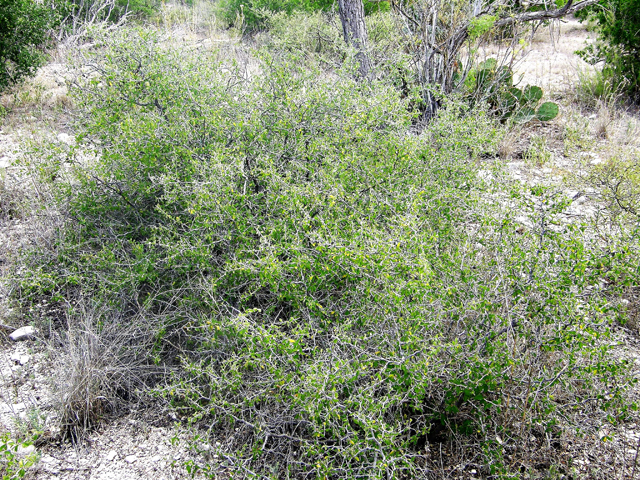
[618,44]
[25,27]
[355,32]
[437,32]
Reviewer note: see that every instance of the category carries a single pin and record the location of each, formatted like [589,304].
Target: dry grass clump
[509,144]
[12,198]
[537,153]
[575,136]
[199,19]
[36,102]
[101,362]
[593,87]
[604,119]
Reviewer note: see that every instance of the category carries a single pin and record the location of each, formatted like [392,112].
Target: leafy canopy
[618,44]
[24,33]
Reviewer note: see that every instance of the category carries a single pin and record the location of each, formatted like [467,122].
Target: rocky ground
[139,443]
[143,443]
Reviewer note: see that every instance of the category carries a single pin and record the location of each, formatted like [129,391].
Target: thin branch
[568,9]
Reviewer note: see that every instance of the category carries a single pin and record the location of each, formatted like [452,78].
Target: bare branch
[568,9]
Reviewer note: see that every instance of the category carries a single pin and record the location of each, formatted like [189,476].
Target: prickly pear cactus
[547,111]
[494,84]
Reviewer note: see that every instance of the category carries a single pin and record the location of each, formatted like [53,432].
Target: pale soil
[547,59]
[138,444]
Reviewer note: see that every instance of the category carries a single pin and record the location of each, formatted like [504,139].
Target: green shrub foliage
[318,36]
[346,295]
[24,33]
[91,11]
[254,14]
[618,45]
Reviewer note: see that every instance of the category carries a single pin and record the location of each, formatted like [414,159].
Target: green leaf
[525,115]
[532,94]
[489,64]
[505,75]
[547,111]
[516,93]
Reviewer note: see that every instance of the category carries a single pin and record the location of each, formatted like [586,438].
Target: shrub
[618,180]
[256,13]
[618,45]
[347,298]
[315,34]
[24,33]
[13,464]
[318,36]
[80,13]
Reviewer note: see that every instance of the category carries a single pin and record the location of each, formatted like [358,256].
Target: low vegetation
[313,277]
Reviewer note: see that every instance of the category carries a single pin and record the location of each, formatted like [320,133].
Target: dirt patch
[547,58]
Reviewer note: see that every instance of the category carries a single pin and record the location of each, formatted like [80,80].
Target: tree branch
[568,9]
[463,33]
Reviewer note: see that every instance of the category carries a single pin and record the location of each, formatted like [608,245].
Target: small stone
[20,359]
[571,193]
[130,458]
[23,333]
[111,455]
[24,451]
[65,138]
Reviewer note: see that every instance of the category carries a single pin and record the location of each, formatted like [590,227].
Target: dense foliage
[618,45]
[111,10]
[345,296]
[254,14]
[24,33]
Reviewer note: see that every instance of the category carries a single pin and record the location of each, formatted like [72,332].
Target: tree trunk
[355,32]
